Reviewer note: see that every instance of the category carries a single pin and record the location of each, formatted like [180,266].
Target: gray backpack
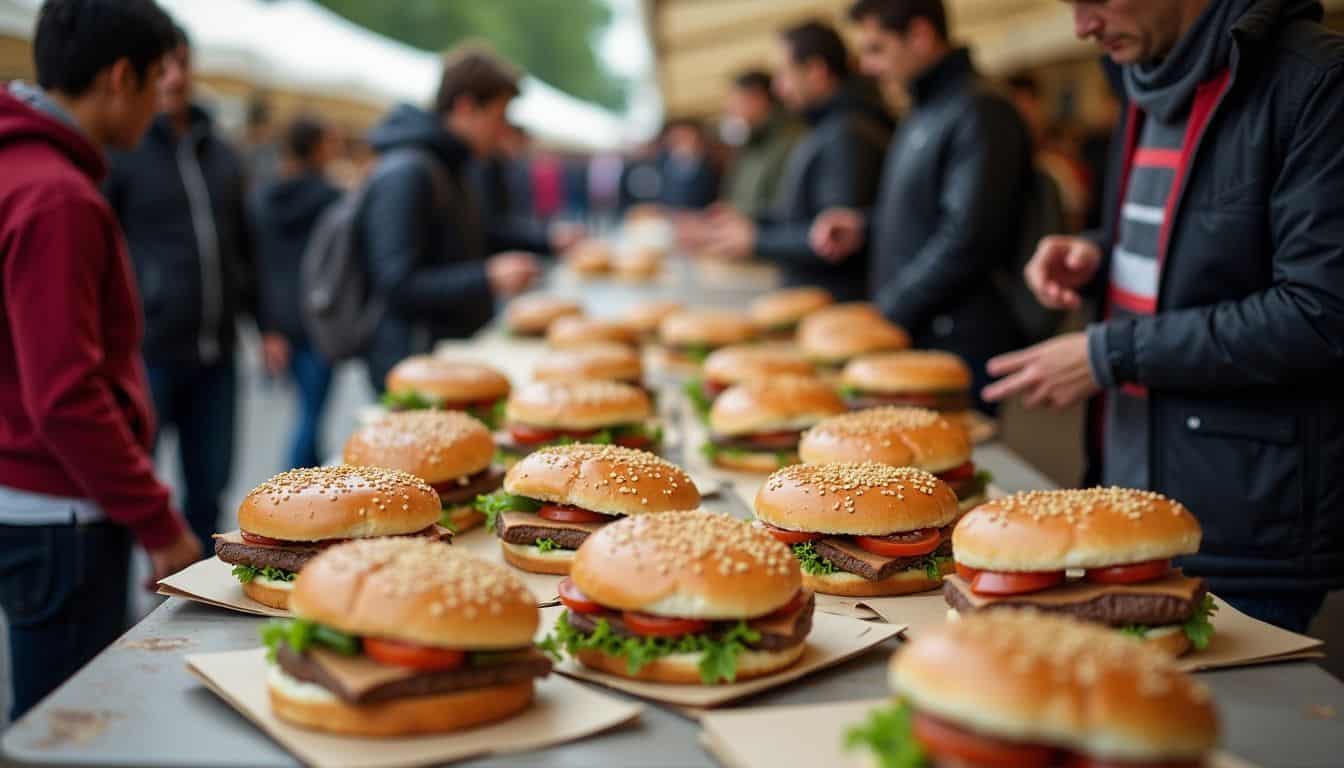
[341,310]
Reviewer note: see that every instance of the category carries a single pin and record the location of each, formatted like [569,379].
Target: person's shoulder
[1306,45]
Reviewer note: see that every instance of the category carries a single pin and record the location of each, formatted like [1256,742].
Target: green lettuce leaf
[697,352]
[491,416]
[848,391]
[811,562]
[301,634]
[1198,628]
[409,401]
[694,390]
[718,656]
[491,504]
[887,734]
[246,573]
[446,520]
[544,545]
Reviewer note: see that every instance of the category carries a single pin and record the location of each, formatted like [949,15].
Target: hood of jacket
[410,126]
[290,205]
[22,121]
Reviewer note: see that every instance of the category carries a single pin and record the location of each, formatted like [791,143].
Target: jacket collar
[948,73]
[162,128]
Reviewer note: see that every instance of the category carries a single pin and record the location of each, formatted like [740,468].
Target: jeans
[1292,611]
[63,588]
[200,403]
[312,379]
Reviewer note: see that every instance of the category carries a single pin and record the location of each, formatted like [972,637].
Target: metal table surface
[136,704]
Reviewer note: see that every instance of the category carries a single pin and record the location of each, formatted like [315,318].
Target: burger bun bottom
[684,668]
[899,583]
[263,592]
[750,461]
[529,558]
[311,706]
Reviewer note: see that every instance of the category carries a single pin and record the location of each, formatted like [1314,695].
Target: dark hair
[77,39]
[753,80]
[817,40]
[303,136]
[477,73]
[896,15]
[180,37]
[1024,83]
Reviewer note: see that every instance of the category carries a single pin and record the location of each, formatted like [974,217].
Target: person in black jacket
[1221,348]
[421,229]
[837,164]
[953,190]
[284,212]
[180,197]
[501,185]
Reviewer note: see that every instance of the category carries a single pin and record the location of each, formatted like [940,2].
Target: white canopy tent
[301,46]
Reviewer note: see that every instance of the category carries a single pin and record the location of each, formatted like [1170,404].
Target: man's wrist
[1110,352]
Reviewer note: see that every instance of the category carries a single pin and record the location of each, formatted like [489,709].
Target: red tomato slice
[790,537]
[712,389]
[662,626]
[950,742]
[789,608]
[1129,574]
[525,434]
[1083,761]
[966,572]
[563,513]
[1014,583]
[265,541]
[395,653]
[956,474]
[575,600]
[925,542]
[639,442]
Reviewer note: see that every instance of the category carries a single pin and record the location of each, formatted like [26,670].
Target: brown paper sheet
[211,582]
[834,639]
[562,711]
[750,738]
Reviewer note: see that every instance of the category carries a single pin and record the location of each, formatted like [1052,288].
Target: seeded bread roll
[890,435]
[867,499]
[575,331]
[608,479]
[837,333]
[774,404]
[455,382]
[435,446]
[1034,678]
[602,360]
[786,307]
[341,502]
[532,314]
[645,317]
[1060,530]
[910,370]
[706,327]
[578,404]
[741,362]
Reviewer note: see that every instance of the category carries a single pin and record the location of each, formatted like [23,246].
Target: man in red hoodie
[76,475]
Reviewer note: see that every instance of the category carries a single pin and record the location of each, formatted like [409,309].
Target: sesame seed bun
[311,706]
[1035,678]
[866,499]
[273,593]
[1059,530]
[568,332]
[435,446]
[684,668]
[834,335]
[532,314]
[774,404]
[900,583]
[608,479]
[908,370]
[455,382]
[528,558]
[760,462]
[590,258]
[646,316]
[578,404]
[706,327]
[418,591]
[641,263]
[897,436]
[740,362]
[341,502]
[695,565]
[785,308]
[601,360]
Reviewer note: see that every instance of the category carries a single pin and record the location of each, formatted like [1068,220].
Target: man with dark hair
[77,479]
[1221,347]
[763,134]
[284,212]
[957,174]
[180,197]
[421,230]
[835,165]
[690,181]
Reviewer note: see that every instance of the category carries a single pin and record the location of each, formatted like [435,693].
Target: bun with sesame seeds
[834,335]
[688,336]
[754,426]
[444,382]
[429,641]
[435,446]
[576,331]
[532,314]
[646,316]
[341,502]
[1025,680]
[741,362]
[577,405]
[778,313]
[600,360]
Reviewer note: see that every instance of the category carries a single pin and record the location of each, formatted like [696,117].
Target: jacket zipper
[207,246]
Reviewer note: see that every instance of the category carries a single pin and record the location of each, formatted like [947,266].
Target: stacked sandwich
[740,363]
[755,426]
[556,412]
[777,314]
[423,381]
[687,337]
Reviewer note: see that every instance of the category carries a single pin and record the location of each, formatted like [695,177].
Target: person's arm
[1287,332]
[397,213]
[977,214]
[52,282]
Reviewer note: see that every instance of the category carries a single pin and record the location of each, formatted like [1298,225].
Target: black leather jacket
[953,191]
[1244,359]
[837,164]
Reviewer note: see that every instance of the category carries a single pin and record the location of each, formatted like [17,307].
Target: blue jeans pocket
[35,573]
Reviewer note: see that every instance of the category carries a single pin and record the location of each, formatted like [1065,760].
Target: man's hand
[837,233]
[1060,266]
[511,272]
[729,235]
[274,353]
[564,235]
[165,561]
[1054,373]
